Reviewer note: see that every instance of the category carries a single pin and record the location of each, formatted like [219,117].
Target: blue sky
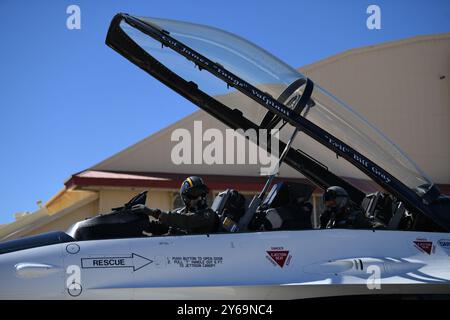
[67,101]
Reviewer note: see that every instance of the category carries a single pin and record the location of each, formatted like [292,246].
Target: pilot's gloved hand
[153,212]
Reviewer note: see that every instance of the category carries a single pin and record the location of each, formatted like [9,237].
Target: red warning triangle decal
[425,246]
[279,257]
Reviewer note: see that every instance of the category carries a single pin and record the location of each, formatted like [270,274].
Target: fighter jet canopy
[200,61]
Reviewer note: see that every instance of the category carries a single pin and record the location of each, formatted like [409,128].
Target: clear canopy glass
[269,74]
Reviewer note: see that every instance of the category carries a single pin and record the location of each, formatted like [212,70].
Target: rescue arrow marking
[134,261]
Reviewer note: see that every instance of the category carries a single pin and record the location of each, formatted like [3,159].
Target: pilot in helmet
[340,212]
[335,200]
[193,192]
[195,217]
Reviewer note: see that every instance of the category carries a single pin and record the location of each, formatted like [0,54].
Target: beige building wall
[112,198]
[62,223]
[162,199]
[109,199]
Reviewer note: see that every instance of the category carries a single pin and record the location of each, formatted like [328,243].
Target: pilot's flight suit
[347,217]
[183,221]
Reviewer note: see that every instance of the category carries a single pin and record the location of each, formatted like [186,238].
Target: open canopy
[244,86]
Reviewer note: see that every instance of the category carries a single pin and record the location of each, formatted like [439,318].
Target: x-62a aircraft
[405,249]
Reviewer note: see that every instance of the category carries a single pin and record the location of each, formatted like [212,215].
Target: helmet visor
[329,195]
[196,192]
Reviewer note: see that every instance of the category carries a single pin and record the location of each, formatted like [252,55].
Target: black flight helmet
[335,197]
[193,188]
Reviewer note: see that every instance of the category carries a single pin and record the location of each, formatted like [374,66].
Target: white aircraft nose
[34,273]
